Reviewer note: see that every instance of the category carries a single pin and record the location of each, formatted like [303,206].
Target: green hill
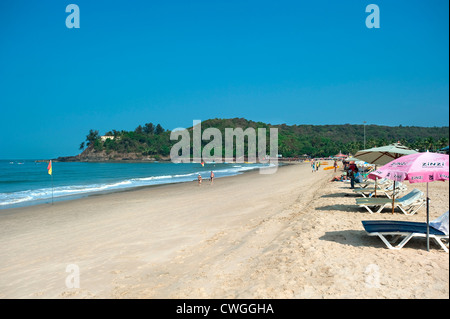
[153,142]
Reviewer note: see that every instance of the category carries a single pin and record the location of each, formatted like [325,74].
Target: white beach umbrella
[383,155]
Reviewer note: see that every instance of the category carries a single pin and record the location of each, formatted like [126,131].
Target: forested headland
[152,142]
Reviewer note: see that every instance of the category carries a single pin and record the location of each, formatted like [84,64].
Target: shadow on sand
[334,195]
[356,238]
[342,207]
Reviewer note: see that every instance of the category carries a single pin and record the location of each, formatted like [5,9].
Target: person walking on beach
[199,178]
[313,166]
[317,165]
[211,178]
[335,165]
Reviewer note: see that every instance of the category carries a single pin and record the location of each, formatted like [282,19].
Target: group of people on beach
[351,173]
[315,165]
[200,179]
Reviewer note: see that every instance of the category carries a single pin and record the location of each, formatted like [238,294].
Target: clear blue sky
[170,62]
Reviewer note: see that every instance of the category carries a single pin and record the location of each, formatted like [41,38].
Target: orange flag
[49,167]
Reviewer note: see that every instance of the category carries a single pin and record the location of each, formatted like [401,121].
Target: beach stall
[340,156]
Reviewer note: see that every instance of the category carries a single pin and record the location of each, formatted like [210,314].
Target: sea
[27,182]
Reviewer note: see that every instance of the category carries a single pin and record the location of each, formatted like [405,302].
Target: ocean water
[26,182]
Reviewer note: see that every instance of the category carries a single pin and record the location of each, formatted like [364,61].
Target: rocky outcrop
[92,155]
[67,159]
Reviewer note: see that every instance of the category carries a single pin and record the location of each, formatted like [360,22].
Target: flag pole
[52,188]
[50,172]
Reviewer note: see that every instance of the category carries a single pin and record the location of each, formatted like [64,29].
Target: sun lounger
[409,230]
[381,190]
[382,182]
[409,204]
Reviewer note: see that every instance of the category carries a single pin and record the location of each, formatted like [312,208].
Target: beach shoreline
[37,194]
[293,234]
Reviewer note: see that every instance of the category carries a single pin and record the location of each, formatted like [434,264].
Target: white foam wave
[74,190]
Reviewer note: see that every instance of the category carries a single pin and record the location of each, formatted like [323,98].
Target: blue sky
[170,62]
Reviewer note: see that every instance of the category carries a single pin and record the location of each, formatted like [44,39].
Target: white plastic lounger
[409,204]
[409,230]
[382,182]
[387,190]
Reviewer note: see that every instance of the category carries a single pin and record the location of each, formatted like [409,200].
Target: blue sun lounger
[382,228]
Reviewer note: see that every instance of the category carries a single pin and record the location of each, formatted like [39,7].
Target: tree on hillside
[115,133]
[149,128]
[159,129]
[139,130]
[91,137]
[429,143]
[442,142]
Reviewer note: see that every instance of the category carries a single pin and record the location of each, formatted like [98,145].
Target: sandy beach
[293,234]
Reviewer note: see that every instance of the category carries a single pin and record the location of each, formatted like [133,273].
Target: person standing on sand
[313,166]
[335,165]
[212,177]
[199,178]
[352,172]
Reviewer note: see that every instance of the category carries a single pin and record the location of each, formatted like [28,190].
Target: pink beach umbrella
[416,168]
